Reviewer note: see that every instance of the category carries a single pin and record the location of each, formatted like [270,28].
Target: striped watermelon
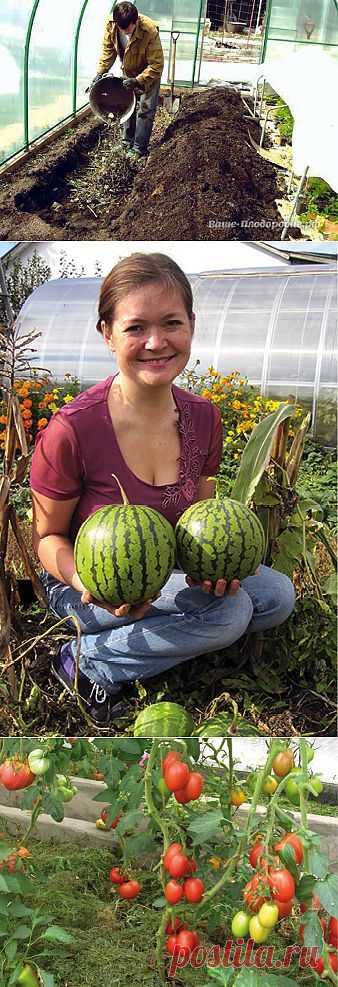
[219,539]
[124,554]
[163,720]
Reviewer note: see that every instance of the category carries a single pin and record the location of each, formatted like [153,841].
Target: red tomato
[332,941]
[251,894]
[318,965]
[194,786]
[104,817]
[192,866]
[176,775]
[282,884]
[284,908]
[178,865]
[171,945]
[174,926]
[291,840]
[333,961]
[333,927]
[170,852]
[193,889]
[173,892]
[255,855]
[116,877]
[170,759]
[187,940]
[129,889]
[15,774]
[181,796]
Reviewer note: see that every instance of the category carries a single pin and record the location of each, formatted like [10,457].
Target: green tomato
[257,931]
[270,785]
[268,915]
[163,789]
[38,763]
[28,977]
[65,789]
[240,924]
[310,753]
[317,784]
[292,792]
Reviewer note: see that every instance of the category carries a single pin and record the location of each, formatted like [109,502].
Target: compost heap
[205,181]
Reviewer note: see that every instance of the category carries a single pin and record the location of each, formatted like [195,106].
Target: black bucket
[110,100]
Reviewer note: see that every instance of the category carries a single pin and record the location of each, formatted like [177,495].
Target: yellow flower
[67,398]
[53,407]
[42,422]
[236,405]
[215,862]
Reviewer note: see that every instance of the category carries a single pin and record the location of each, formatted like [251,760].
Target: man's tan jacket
[143,57]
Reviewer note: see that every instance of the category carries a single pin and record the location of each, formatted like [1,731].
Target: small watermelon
[221,725]
[163,720]
[125,554]
[219,539]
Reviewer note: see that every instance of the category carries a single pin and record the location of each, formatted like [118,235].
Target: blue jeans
[137,130]
[182,624]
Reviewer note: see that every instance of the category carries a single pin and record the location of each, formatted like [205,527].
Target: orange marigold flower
[3,419]
[42,422]
[26,414]
[41,405]
[27,403]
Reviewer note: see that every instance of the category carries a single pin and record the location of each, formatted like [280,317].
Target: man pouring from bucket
[135,39]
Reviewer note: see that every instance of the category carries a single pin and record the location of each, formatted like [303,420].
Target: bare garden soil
[203,180]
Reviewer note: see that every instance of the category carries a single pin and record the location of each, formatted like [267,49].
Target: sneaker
[102,706]
[134,155]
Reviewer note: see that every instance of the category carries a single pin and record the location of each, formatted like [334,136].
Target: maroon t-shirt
[77,453]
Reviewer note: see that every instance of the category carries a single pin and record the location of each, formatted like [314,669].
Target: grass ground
[115,942]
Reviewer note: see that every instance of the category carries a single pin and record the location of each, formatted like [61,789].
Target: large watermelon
[124,554]
[219,539]
[163,720]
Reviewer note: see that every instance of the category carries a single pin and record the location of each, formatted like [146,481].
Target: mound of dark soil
[204,181]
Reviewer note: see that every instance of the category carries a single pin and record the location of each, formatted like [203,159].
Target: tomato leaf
[318,864]
[109,796]
[159,902]
[130,821]
[11,949]
[3,904]
[313,933]
[46,978]
[327,892]
[55,933]
[22,932]
[54,807]
[203,827]
[305,888]
[253,978]
[287,855]
[285,819]
[222,976]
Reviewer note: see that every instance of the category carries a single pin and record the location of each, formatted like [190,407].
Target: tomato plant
[200,850]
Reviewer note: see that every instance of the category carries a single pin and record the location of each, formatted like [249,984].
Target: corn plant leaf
[256,455]
[14,402]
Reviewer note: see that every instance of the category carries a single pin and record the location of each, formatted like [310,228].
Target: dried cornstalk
[36,582]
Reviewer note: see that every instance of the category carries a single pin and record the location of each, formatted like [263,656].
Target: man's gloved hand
[133,84]
[100,75]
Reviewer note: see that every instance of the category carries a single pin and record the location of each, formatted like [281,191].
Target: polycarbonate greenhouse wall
[49,50]
[291,24]
[277,326]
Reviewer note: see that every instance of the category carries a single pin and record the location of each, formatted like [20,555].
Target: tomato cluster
[11,862]
[101,823]
[186,785]
[176,862]
[126,888]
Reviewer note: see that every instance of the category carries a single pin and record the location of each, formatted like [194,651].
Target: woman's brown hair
[137,270]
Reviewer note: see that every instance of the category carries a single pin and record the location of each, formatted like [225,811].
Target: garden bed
[202,171]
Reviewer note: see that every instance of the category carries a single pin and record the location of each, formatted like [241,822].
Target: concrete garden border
[81,813]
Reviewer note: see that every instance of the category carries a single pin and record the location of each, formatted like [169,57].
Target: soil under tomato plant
[202,180]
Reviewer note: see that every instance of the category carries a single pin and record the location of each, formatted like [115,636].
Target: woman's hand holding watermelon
[219,588]
[136,611]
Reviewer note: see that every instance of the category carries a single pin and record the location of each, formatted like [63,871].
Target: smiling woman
[138,431]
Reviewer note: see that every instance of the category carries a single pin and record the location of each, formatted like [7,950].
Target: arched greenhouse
[277,326]
[49,51]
